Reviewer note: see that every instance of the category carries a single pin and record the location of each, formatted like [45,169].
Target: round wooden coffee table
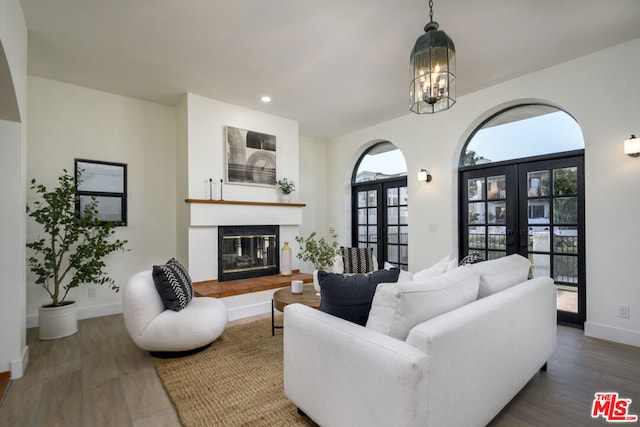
[283,297]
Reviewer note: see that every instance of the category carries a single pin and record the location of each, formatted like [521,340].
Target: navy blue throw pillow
[349,296]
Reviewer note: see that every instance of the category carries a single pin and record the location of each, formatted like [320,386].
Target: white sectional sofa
[459,368]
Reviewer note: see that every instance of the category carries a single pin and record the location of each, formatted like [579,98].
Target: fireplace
[248,251]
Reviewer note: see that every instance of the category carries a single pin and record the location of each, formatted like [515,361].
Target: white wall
[313,192]
[607,108]
[67,122]
[13,49]
[207,119]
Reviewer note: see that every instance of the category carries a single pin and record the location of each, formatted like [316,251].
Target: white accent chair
[156,329]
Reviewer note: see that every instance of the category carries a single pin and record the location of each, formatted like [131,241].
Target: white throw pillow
[398,307]
[435,270]
[502,273]
[404,276]
[338,265]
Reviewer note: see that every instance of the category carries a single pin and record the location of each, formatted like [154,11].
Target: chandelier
[433,69]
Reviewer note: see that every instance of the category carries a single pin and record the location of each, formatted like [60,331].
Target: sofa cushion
[435,270]
[404,276]
[357,260]
[349,296]
[502,273]
[173,284]
[398,307]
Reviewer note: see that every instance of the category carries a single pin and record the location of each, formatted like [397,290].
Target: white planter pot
[57,322]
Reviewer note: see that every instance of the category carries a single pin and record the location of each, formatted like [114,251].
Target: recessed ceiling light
[265,99]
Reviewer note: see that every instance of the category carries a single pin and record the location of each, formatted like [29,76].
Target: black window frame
[122,196]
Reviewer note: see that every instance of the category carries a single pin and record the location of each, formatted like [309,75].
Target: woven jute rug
[235,382]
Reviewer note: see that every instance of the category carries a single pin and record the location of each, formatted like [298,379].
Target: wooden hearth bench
[215,289]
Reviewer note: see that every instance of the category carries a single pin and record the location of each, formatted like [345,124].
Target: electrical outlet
[92,292]
[624,311]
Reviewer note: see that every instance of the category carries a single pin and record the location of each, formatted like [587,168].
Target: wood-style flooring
[99,378]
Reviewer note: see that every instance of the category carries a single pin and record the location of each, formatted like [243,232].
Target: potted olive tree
[319,251]
[69,252]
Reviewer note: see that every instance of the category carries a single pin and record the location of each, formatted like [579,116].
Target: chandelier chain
[431,10]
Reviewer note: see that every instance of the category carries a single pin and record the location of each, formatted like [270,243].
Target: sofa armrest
[483,353]
[342,374]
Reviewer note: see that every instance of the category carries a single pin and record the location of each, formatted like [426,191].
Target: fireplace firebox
[248,251]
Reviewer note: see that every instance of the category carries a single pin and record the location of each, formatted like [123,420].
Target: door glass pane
[541,265]
[567,298]
[404,234]
[362,216]
[404,196]
[362,234]
[495,254]
[497,212]
[373,233]
[404,215]
[392,215]
[496,187]
[476,213]
[372,198]
[392,197]
[392,234]
[477,237]
[497,238]
[565,240]
[404,255]
[373,247]
[362,199]
[565,269]
[373,216]
[538,183]
[565,210]
[539,239]
[392,253]
[565,181]
[476,189]
[538,211]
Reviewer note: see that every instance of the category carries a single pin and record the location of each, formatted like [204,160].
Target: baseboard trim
[18,366]
[84,313]
[610,333]
[249,310]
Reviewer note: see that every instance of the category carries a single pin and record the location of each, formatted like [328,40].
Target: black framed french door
[534,207]
[380,220]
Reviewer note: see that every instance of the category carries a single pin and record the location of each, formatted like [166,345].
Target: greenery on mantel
[320,252]
[74,246]
[286,186]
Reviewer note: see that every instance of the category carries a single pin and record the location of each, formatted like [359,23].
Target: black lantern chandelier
[433,68]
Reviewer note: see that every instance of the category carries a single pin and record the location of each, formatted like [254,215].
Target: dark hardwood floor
[99,378]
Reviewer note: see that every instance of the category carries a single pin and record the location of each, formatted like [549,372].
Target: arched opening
[380,204]
[521,182]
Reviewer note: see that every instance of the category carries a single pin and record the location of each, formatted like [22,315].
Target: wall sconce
[425,176]
[632,146]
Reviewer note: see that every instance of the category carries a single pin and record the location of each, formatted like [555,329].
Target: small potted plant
[319,251]
[286,187]
[70,253]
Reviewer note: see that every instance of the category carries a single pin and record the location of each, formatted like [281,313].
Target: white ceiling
[333,65]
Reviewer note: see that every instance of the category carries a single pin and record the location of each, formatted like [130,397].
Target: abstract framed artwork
[106,182]
[251,157]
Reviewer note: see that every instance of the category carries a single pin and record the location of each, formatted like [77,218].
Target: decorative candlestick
[221,198]
[210,189]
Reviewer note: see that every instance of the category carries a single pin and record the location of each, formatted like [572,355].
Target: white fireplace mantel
[207,213]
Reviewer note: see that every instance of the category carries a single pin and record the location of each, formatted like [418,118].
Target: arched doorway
[380,204]
[521,183]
